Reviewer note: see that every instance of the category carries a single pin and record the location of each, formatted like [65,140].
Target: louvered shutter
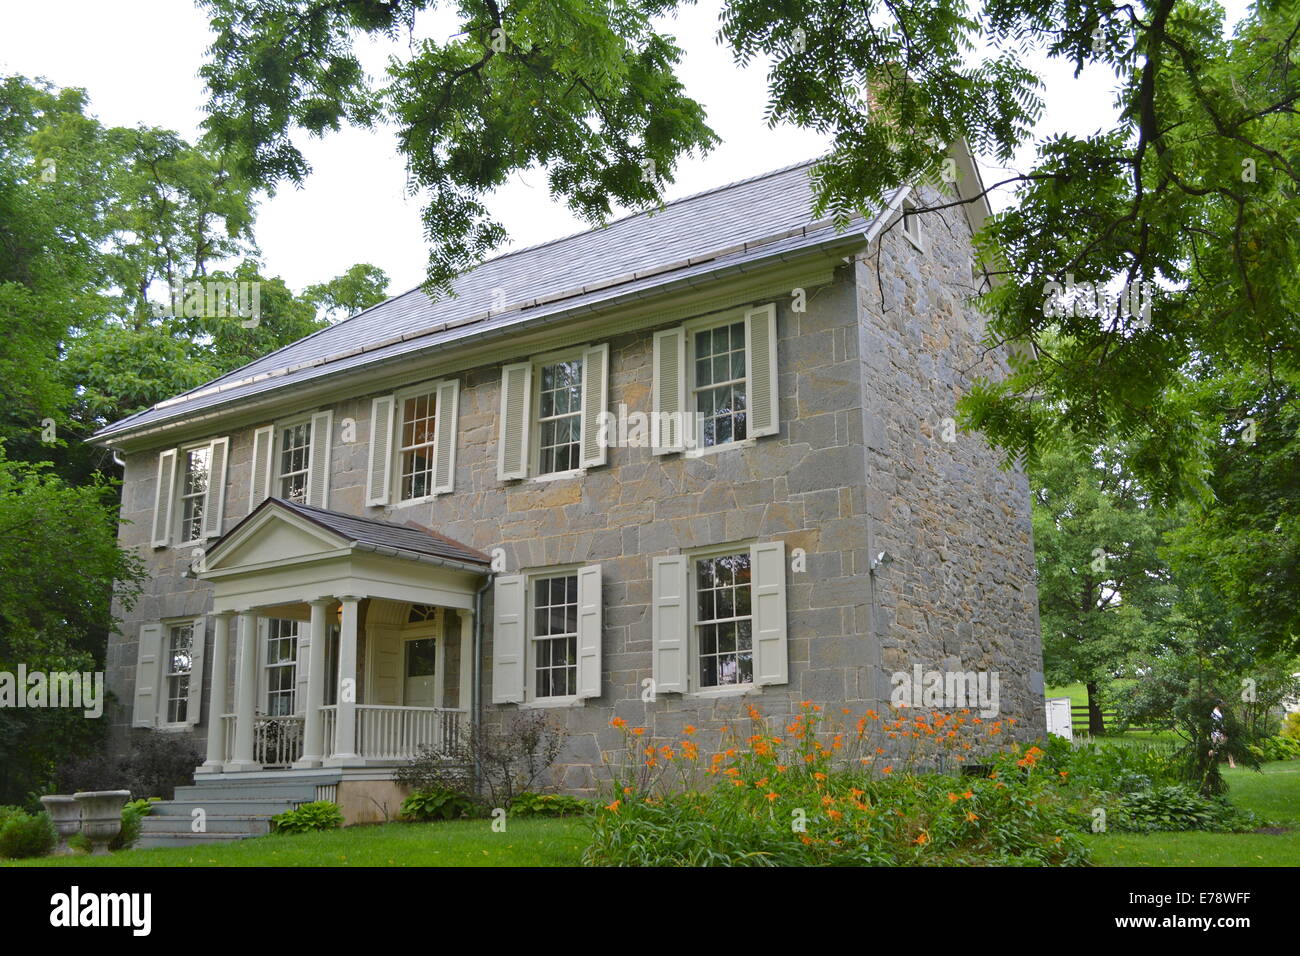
[512,444]
[767,577]
[302,667]
[148,672]
[668,395]
[381,450]
[671,623]
[595,401]
[214,501]
[259,482]
[194,709]
[318,469]
[589,631]
[163,495]
[760,365]
[444,445]
[508,636]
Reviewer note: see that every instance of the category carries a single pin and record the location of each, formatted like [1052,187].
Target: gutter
[477,334]
[450,563]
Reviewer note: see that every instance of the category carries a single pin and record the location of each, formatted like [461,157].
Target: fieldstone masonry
[861,465]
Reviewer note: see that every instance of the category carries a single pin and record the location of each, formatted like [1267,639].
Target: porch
[337,642]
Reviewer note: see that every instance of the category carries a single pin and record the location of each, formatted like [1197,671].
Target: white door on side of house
[421,672]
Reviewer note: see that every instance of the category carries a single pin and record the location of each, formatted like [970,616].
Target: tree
[1101,580]
[357,289]
[1191,196]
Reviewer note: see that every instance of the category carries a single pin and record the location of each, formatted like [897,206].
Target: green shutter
[595,400]
[444,447]
[148,673]
[512,443]
[670,624]
[771,653]
[162,501]
[590,631]
[318,468]
[668,395]
[508,636]
[381,450]
[760,361]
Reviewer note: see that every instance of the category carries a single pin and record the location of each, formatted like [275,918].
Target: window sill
[714,449]
[173,728]
[560,475]
[735,690]
[914,240]
[553,703]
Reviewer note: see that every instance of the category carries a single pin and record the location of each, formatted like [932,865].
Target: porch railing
[393,733]
[277,741]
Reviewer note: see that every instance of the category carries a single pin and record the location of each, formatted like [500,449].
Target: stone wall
[858,467]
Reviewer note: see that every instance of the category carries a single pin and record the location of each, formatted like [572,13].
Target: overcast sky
[139,60]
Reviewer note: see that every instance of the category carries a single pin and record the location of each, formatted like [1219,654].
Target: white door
[421,672]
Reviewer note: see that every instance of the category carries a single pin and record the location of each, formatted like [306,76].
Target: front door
[421,672]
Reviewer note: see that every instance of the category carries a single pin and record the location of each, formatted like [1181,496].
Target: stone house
[699,458]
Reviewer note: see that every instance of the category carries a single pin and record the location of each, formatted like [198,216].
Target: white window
[911,223]
[293,461]
[281,667]
[179,665]
[723,622]
[720,384]
[559,416]
[195,473]
[415,449]
[554,637]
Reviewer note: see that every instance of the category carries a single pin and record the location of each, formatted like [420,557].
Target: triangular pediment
[275,536]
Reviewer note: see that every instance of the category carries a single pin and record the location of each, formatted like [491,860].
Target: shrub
[26,834]
[439,803]
[318,815]
[1291,726]
[154,767]
[507,761]
[1277,748]
[132,816]
[1177,808]
[530,804]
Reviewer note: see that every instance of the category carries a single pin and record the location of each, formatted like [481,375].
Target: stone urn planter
[101,816]
[65,811]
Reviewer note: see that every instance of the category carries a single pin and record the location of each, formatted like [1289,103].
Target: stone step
[154,841]
[247,825]
[250,807]
[297,793]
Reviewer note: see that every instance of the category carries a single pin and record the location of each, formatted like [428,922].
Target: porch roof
[286,553]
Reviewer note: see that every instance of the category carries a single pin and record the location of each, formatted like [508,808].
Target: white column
[345,725]
[466,659]
[245,693]
[313,734]
[217,696]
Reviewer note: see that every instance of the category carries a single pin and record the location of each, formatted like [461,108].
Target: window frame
[539,362]
[290,665]
[531,640]
[399,424]
[182,456]
[168,675]
[277,452]
[695,685]
[691,329]
[907,210]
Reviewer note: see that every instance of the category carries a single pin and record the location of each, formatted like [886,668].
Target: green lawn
[1273,794]
[526,842]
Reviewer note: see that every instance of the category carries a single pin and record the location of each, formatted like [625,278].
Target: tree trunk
[1096,726]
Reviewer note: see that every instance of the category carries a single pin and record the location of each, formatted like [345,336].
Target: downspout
[476,685]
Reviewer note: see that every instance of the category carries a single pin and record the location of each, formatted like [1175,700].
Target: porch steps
[237,807]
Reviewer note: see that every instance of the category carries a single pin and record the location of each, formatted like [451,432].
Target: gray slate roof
[686,240]
[374,535]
